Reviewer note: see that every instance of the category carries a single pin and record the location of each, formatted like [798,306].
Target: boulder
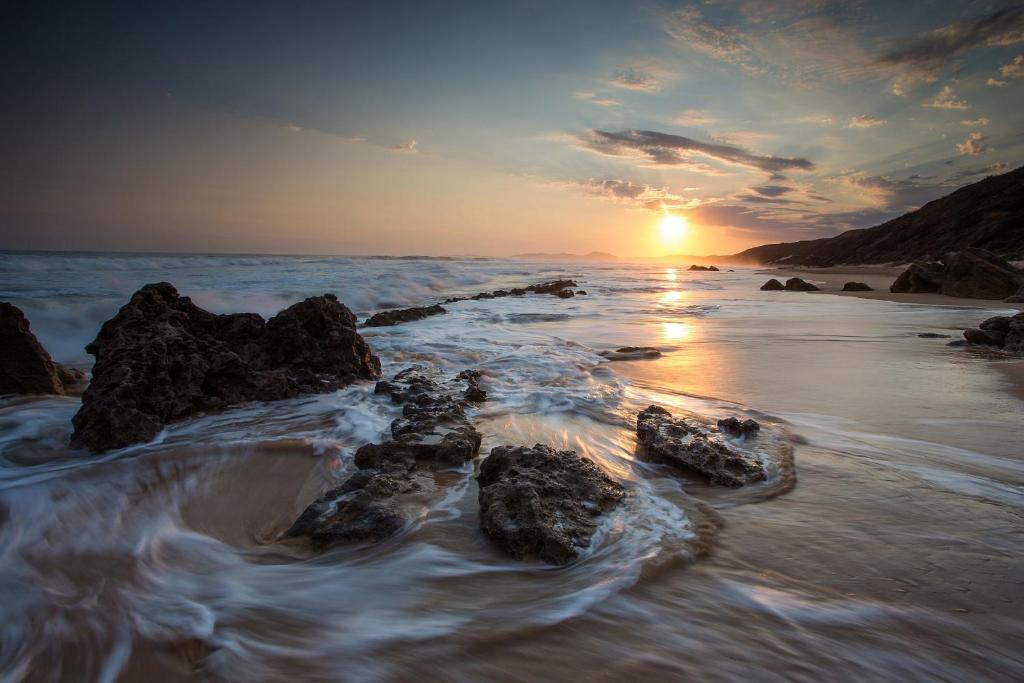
[1016,298]
[402,315]
[1003,331]
[632,353]
[565,294]
[736,427]
[772,285]
[795,284]
[687,445]
[970,273]
[434,433]
[25,366]
[543,502]
[162,359]
[857,287]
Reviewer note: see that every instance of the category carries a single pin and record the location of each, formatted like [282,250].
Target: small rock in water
[857,287]
[772,285]
[403,315]
[735,427]
[932,335]
[676,442]
[795,284]
[543,502]
[565,294]
[1005,332]
[632,353]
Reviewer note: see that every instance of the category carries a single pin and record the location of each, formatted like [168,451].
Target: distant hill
[988,214]
[592,256]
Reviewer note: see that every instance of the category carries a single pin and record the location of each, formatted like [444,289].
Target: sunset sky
[495,128]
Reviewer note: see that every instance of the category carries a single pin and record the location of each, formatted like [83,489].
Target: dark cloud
[641,195]
[675,150]
[636,79]
[772,190]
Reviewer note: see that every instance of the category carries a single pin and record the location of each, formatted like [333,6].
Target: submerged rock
[736,427]
[433,433]
[163,359]
[857,287]
[25,366]
[554,287]
[1002,331]
[795,284]
[632,353]
[772,285]
[932,335]
[402,315]
[674,441]
[970,273]
[543,502]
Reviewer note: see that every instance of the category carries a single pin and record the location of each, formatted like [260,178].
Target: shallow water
[886,544]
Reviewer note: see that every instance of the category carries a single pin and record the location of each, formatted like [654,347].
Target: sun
[672,227]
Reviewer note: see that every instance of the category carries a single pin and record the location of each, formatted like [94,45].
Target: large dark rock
[433,433]
[403,315]
[795,284]
[741,428]
[677,442]
[1003,331]
[25,366]
[970,273]
[857,287]
[772,285]
[542,502]
[163,359]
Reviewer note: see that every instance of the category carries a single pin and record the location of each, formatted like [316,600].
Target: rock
[632,353]
[1017,298]
[682,444]
[735,427]
[402,315]
[772,285]
[25,366]
[581,292]
[696,267]
[553,287]
[162,359]
[970,273]
[795,284]
[565,294]
[932,335]
[857,287]
[433,434]
[559,288]
[1006,332]
[542,502]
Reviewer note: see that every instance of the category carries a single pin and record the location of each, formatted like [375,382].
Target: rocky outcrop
[543,502]
[559,288]
[696,267]
[25,366]
[795,284]
[433,433]
[772,285]
[857,287]
[739,428]
[970,273]
[1002,331]
[632,353]
[687,445]
[163,359]
[402,315]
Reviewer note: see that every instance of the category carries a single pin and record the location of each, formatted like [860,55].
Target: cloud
[646,77]
[293,128]
[689,29]
[675,150]
[983,121]
[896,195]
[405,147]
[695,117]
[946,99]
[995,82]
[594,98]
[865,121]
[923,58]
[772,190]
[991,169]
[819,119]
[1014,69]
[640,195]
[974,144]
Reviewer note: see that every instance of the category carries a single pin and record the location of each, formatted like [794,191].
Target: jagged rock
[25,366]
[772,285]
[554,287]
[163,359]
[736,427]
[542,502]
[795,284]
[1006,332]
[559,288]
[403,315]
[433,434]
[857,287]
[632,353]
[565,294]
[970,273]
[676,442]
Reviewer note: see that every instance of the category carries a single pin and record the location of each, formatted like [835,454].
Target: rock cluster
[971,273]
[677,442]
[542,502]
[772,285]
[433,433]
[559,288]
[162,359]
[402,315]
[632,353]
[793,284]
[857,287]
[25,366]
[1003,331]
[737,427]
[696,267]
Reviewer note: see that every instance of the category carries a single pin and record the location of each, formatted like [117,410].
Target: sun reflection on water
[675,332]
